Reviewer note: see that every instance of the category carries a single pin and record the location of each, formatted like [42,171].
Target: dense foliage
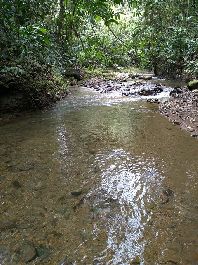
[161,35]
[169,34]
[158,35]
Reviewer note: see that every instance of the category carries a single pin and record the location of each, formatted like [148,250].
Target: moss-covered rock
[77,73]
[193,85]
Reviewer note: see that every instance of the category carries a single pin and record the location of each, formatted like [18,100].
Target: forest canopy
[160,35]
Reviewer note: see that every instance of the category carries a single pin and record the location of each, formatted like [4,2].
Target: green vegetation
[193,85]
[41,40]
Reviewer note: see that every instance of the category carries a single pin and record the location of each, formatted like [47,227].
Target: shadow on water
[98,180]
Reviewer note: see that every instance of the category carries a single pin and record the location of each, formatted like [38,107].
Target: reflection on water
[98,180]
[126,184]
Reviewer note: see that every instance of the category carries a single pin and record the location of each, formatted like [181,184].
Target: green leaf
[98,18]
[42,30]
[118,2]
[109,21]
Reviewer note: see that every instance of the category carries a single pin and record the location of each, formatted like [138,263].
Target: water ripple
[125,188]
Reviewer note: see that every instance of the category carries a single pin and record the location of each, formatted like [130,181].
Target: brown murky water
[98,180]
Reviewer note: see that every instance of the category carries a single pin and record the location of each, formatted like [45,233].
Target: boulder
[175,91]
[74,72]
[192,85]
[146,77]
[144,92]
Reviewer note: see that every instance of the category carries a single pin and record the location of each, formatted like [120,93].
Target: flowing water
[98,179]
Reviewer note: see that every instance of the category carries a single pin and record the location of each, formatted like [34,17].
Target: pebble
[135,261]
[190,129]
[42,252]
[7,224]
[16,184]
[2,178]
[76,193]
[28,252]
[168,192]
[176,122]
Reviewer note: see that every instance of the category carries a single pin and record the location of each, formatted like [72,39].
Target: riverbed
[98,179]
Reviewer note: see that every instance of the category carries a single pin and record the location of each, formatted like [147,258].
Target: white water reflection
[125,187]
[62,138]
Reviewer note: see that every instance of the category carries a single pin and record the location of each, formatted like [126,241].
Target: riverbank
[182,109]
[26,89]
[29,86]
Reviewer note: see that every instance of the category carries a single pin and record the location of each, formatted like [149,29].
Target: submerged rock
[168,192]
[42,252]
[76,193]
[7,224]
[166,195]
[5,255]
[16,184]
[2,178]
[28,252]
[78,204]
[135,261]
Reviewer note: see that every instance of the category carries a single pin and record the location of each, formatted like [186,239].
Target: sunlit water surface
[98,179]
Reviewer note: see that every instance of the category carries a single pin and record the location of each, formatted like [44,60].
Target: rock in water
[166,195]
[176,91]
[168,192]
[42,252]
[2,178]
[76,193]
[28,252]
[7,225]
[135,261]
[16,184]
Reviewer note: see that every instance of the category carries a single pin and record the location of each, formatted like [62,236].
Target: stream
[99,179]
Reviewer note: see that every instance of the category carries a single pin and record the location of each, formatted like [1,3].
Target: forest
[41,41]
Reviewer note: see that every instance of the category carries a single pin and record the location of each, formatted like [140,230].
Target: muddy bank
[182,110]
